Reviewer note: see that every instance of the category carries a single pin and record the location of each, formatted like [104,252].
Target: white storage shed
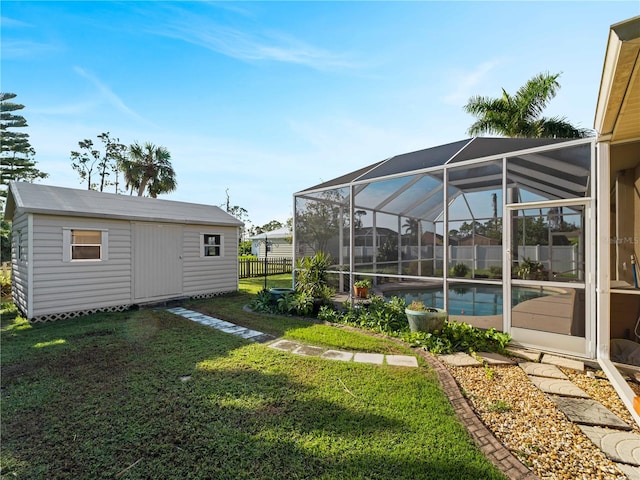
[80,251]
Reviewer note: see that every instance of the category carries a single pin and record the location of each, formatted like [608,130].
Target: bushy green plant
[311,276]
[262,302]
[379,315]
[495,271]
[460,337]
[302,303]
[298,303]
[529,269]
[459,270]
[417,306]
[244,248]
[389,318]
[5,284]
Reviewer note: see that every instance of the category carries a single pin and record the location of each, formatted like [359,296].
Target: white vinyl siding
[278,247]
[19,266]
[67,286]
[204,275]
[46,284]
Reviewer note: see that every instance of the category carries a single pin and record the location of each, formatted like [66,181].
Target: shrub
[311,276]
[459,270]
[495,271]
[378,316]
[389,318]
[298,303]
[5,284]
[460,337]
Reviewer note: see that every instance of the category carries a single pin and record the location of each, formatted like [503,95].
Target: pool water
[469,300]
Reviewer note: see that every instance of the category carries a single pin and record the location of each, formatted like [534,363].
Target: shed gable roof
[50,200]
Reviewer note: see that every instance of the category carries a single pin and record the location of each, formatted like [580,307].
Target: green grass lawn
[150,395]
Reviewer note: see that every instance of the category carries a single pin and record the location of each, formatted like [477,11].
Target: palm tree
[149,168]
[519,115]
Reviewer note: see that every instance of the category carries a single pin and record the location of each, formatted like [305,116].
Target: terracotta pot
[360,292]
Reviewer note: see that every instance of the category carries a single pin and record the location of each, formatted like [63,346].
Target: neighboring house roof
[283,232]
[618,108]
[46,199]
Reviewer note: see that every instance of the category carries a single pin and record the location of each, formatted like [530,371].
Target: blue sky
[268,98]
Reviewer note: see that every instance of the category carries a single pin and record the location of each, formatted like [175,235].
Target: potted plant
[425,319]
[361,288]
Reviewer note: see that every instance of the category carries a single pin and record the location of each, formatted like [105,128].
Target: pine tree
[16,154]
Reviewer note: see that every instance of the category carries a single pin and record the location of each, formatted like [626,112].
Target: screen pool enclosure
[498,213]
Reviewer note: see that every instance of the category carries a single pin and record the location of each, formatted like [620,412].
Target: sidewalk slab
[589,412]
[495,359]
[374,358]
[542,370]
[337,355]
[402,361]
[459,359]
[308,351]
[524,353]
[558,387]
[623,447]
[563,362]
[284,345]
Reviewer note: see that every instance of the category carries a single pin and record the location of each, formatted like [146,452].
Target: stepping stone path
[556,386]
[589,412]
[221,325]
[619,446]
[615,441]
[605,429]
[460,359]
[295,347]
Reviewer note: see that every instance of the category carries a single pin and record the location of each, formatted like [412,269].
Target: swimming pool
[475,300]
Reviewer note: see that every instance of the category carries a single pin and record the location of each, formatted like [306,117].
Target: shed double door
[157,261]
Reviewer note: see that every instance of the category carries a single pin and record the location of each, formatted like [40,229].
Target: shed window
[211,245]
[85,244]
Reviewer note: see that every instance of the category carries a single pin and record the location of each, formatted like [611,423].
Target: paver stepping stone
[308,351]
[402,360]
[589,412]
[542,370]
[623,447]
[460,359]
[495,358]
[632,473]
[233,329]
[563,362]
[337,355]
[375,358]
[531,355]
[248,334]
[284,345]
[558,387]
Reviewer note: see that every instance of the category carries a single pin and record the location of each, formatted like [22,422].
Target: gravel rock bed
[532,427]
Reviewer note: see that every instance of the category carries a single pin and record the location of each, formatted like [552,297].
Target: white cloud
[265,46]
[16,49]
[465,83]
[108,95]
